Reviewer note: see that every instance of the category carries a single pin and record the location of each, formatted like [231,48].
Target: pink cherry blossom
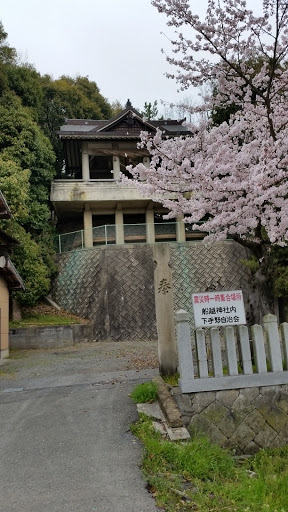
[234,174]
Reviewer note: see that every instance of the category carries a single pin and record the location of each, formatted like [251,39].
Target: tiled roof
[127,124]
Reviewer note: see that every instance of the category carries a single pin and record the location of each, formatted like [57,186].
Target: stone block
[270,391]
[242,404]
[184,402]
[273,415]
[201,400]
[265,437]
[178,434]
[282,403]
[279,441]
[230,445]
[284,433]
[229,423]
[284,388]
[242,436]
[255,421]
[214,412]
[200,425]
[250,393]
[251,448]
[216,435]
[227,397]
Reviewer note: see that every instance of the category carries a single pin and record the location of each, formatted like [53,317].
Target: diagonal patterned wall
[200,268]
[114,286]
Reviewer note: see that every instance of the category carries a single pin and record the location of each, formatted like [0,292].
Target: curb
[168,404]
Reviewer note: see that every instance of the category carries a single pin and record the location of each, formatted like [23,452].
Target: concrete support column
[150,227]
[146,161]
[119,226]
[88,227]
[85,164]
[180,230]
[116,167]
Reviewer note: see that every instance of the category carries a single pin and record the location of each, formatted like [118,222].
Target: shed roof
[10,274]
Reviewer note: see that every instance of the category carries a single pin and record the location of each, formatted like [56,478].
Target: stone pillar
[85,164]
[164,310]
[88,227]
[150,228]
[116,167]
[119,226]
[180,230]
[146,161]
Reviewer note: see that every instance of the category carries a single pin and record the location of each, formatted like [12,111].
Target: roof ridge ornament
[128,104]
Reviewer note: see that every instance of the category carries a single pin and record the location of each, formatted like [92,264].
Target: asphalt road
[66,445]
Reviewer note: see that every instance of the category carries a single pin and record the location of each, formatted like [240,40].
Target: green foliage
[73,99]
[146,392]
[15,186]
[27,257]
[172,380]
[43,320]
[7,54]
[277,270]
[25,82]
[32,109]
[116,107]
[198,475]
[150,110]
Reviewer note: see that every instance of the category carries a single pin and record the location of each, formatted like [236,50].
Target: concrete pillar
[180,230]
[116,167]
[119,226]
[88,227]
[146,161]
[273,341]
[186,367]
[85,164]
[150,228]
[164,310]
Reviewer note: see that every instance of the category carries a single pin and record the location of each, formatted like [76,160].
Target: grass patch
[172,379]
[146,392]
[7,371]
[200,476]
[42,320]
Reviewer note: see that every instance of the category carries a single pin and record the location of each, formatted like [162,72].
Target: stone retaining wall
[113,286]
[242,420]
[54,336]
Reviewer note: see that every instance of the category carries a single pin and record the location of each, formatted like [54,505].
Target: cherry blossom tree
[234,175]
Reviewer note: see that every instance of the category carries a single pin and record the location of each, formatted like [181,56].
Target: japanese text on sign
[218,308]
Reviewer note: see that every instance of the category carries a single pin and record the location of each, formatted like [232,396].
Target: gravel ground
[86,359]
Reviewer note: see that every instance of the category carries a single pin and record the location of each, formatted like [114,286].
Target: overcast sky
[116,43]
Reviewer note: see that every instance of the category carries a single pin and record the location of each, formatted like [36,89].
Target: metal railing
[133,233]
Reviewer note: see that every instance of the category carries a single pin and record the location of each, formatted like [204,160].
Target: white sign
[213,309]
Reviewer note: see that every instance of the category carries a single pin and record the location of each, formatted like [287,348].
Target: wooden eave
[5,212]
[122,115]
[10,274]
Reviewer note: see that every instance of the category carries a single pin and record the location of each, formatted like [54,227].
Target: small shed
[10,279]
